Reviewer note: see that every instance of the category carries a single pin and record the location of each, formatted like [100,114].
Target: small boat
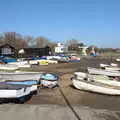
[118,59]
[21,64]
[32,83]
[43,62]
[104,65]
[95,87]
[111,67]
[49,80]
[8,67]
[20,76]
[11,91]
[114,64]
[97,78]
[38,62]
[103,72]
[52,61]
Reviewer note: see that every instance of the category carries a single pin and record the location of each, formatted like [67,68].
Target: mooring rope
[68,104]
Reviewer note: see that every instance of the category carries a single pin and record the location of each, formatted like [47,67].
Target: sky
[93,22]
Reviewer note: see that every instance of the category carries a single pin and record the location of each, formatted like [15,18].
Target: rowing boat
[103,72]
[49,80]
[20,76]
[97,78]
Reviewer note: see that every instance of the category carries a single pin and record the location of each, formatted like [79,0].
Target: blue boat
[27,82]
[49,77]
[49,80]
[32,83]
[7,59]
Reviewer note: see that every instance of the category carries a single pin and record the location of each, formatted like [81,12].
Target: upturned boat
[8,67]
[103,72]
[32,83]
[49,80]
[95,87]
[13,91]
[20,76]
[98,78]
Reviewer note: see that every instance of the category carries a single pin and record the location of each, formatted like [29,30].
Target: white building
[60,48]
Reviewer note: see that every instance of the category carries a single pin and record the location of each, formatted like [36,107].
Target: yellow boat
[42,62]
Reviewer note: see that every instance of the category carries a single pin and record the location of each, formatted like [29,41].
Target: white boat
[97,78]
[114,64]
[32,83]
[21,64]
[103,72]
[118,59]
[104,65]
[8,67]
[20,76]
[13,91]
[95,87]
[49,80]
[110,68]
[52,61]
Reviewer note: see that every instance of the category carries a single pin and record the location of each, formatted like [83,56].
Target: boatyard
[76,104]
[59,60]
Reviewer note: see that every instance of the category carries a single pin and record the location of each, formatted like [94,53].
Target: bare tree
[14,39]
[73,44]
[42,42]
[30,41]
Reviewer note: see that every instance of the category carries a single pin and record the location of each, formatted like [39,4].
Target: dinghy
[118,59]
[8,67]
[21,64]
[20,76]
[49,80]
[32,83]
[97,78]
[95,87]
[103,72]
[104,65]
[111,67]
[11,91]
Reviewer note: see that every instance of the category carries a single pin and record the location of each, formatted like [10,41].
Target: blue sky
[94,22]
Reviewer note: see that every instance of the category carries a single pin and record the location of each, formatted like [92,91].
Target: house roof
[6,45]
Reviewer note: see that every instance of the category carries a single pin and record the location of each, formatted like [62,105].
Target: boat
[118,59]
[8,67]
[111,67]
[95,87]
[38,62]
[114,64]
[104,65]
[11,91]
[21,64]
[20,76]
[7,59]
[97,78]
[52,61]
[103,72]
[32,83]
[49,80]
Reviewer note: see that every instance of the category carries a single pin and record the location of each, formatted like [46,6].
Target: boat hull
[83,85]
[97,78]
[103,72]
[49,84]
[20,76]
